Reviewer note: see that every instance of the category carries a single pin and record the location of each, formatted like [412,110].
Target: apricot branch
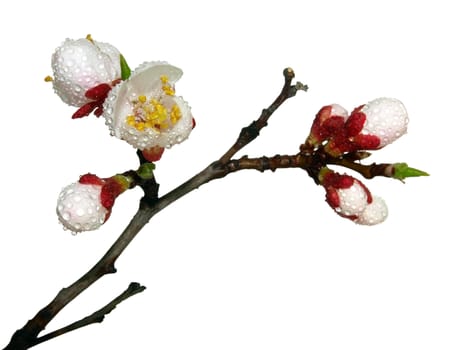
[142,108]
[150,205]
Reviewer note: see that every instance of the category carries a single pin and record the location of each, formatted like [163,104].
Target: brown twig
[249,133]
[96,317]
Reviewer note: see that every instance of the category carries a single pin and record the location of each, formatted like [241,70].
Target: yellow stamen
[175,114]
[48,79]
[169,91]
[151,113]
[89,37]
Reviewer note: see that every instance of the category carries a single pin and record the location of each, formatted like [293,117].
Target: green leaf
[126,71]
[402,171]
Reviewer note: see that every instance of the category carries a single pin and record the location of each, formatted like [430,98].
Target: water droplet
[80,212]
[66,216]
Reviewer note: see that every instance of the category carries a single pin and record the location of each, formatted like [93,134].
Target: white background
[253,261]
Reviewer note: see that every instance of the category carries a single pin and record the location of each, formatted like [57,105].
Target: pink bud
[329,120]
[345,194]
[351,199]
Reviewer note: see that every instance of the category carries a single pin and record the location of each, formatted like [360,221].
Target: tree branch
[251,132]
[150,205]
[309,160]
[96,317]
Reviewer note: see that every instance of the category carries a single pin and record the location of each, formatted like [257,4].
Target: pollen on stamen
[48,79]
[168,90]
[142,98]
[175,114]
[89,37]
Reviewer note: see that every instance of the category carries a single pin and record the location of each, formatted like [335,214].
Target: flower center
[159,114]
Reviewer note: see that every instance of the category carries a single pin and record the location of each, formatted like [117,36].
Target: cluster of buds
[87,204]
[139,107]
[369,127]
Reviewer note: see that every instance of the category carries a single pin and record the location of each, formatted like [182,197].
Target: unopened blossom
[84,71]
[351,199]
[86,205]
[374,213]
[144,110]
[386,118]
[329,120]
[369,127]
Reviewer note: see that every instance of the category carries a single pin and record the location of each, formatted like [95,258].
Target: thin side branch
[368,171]
[96,317]
[251,132]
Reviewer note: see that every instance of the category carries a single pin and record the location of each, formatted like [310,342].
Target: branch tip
[289,73]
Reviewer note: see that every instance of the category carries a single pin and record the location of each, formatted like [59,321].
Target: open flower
[351,199]
[144,110]
[86,205]
[84,71]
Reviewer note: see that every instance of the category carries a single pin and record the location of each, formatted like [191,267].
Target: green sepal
[124,181]
[403,171]
[125,69]
[145,171]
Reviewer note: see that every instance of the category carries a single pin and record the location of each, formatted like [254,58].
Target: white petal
[147,77]
[375,212]
[338,110]
[79,207]
[352,200]
[386,118]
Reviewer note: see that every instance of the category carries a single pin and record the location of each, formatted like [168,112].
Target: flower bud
[351,199]
[369,127]
[86,205]
[329,120]
[375,212]
[386,118]
[345,194]
[80,65]
[144,110]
